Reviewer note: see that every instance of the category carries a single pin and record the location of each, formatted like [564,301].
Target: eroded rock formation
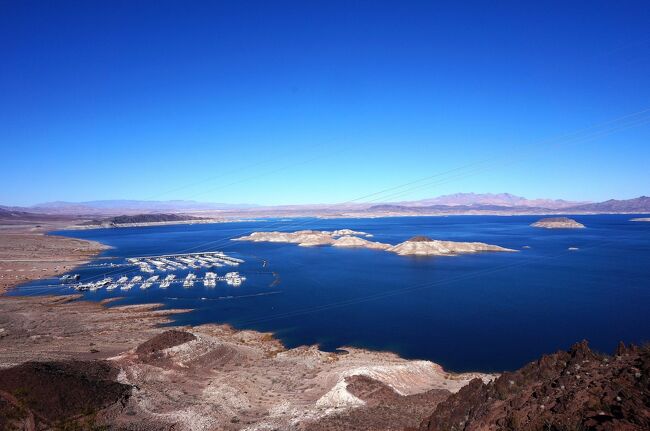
[574,390]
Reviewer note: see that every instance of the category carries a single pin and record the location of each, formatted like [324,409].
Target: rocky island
[416,246]
[424,246]
[558,223]
[310,238]
[646,219]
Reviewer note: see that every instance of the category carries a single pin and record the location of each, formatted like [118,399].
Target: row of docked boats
[210,279]
[174,262]
[125,283]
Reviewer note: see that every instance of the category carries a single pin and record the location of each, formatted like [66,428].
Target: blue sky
[321,101]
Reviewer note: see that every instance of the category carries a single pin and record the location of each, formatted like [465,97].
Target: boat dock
[173,262]
[125,283]
[170,263]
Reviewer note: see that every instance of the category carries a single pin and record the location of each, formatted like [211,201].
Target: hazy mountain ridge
[120,206]
[640,204]
[9,215]
[498,199]
[455,209]
[459,203]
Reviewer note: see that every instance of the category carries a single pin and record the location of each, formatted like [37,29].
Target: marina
[169,263]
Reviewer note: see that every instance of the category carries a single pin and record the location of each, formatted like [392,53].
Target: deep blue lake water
[484,312]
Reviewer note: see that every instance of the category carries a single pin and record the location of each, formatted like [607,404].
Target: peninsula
[28,252]
[143,220]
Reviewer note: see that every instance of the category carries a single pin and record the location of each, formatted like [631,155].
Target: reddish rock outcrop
[574,390]
[164,341]
[65,395]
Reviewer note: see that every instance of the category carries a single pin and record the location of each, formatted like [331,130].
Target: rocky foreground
[574,390]
[558,223]
[416,246]
[67,364]
[65,373]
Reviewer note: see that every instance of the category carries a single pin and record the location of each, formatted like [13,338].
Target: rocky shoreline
[192,378]
[79,365]
[122,366]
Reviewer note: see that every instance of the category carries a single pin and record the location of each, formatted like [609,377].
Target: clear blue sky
[277,102]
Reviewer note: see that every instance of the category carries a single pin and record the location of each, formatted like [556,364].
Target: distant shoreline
[148,224]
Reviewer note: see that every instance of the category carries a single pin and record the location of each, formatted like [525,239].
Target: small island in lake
[424,246]
[558,223]
[646,219]
[310,238]
[417,246]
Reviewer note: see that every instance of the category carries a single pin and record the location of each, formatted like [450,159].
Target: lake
[479,312]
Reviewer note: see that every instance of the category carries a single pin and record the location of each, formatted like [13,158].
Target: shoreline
[95,248]
[267,384]
[213,376]
[29,253]
[239,218]
[147,224]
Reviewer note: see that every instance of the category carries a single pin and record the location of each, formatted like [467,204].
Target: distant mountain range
[508,204]
[122,206]
[640,205]
[12,216]
[459,203]
[497,199]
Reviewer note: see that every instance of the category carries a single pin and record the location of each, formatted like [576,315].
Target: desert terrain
[66,363]
[27,252]
[130,372]
[198,378]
